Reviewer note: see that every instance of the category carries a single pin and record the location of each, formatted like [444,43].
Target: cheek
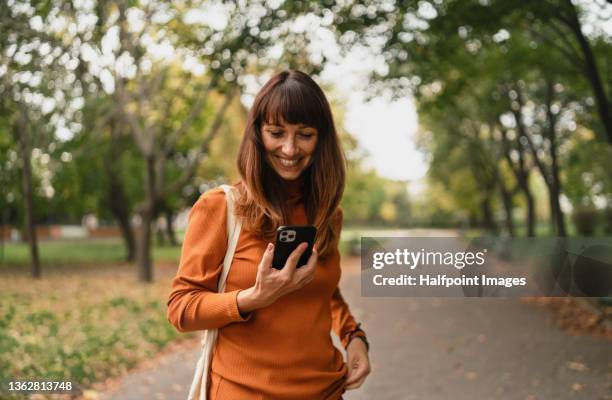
[269,145]
[310,148]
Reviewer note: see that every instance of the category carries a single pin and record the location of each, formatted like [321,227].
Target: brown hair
[293,97]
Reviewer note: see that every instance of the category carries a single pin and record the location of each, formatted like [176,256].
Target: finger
[351,378]
[293,259]
[357,373]
[266,260]
[356,378]
[312,260]
[306,273]
[357,384]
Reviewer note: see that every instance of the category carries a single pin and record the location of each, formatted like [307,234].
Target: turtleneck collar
[293,189]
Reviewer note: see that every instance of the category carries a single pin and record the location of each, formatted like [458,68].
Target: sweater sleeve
[193,303]
[343,322]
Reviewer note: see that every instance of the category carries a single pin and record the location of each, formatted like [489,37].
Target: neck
[293,188]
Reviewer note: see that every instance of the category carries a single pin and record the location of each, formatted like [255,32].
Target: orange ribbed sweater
[283,351]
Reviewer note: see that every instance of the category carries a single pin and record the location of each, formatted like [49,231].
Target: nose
[289,147]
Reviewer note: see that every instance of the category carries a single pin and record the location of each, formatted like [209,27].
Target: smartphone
[290,237]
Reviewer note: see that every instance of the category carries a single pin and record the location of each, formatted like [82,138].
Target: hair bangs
[293,103]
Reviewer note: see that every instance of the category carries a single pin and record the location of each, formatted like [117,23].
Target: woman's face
[289,148]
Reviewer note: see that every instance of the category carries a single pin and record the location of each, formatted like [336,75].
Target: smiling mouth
[288,163]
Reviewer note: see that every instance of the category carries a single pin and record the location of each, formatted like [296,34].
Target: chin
[291,176]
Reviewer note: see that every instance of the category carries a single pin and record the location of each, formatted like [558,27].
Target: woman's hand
[357,362]
[271,283]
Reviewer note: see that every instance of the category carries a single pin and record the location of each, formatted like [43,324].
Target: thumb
[266,259]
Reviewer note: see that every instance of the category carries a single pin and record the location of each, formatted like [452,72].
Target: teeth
[288,163]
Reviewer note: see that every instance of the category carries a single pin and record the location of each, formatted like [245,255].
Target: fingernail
[270,245]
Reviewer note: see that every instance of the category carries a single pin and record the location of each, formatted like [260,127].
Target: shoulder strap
[201,376]
[234,226]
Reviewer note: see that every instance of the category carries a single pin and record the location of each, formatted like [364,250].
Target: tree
[159,103]
[32,72]
[462,49]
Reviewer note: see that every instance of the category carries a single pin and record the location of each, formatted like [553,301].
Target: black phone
[290,237]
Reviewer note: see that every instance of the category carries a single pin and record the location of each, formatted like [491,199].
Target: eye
[306,135]
[276,134]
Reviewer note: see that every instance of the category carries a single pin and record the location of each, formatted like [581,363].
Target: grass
[81,324]
[80,252]
[112,251]
[84,326]
[75,252]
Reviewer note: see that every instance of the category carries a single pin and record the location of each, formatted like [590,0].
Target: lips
[287,162]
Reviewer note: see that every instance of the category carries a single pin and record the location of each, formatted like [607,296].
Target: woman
[274,325]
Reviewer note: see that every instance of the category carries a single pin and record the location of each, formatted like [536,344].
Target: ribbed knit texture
[283,351]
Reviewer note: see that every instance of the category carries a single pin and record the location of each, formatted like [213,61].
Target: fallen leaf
[577,387]
[470,376]
[91,395]
[576,366]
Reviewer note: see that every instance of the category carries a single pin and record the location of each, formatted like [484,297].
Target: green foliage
[436,208]
[10,195]
[587,170]
[370,199]
[477,69]
[463,61]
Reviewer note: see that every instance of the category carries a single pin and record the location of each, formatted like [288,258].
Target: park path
[437,348]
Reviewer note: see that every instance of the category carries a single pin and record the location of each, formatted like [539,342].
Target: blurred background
[458,117]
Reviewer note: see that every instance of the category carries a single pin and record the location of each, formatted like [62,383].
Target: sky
[385,128]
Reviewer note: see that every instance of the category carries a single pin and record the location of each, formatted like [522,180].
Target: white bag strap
[234,225]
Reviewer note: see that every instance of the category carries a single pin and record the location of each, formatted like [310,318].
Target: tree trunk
[507,202]
[26,180]
[169,215]
[551,178]
[554,183]
[521,174]
[165,230]
[555,192]
[118,205]
[488,221]
[117,199]
[143,248]
[530,211]
[146,212]
[523,183]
